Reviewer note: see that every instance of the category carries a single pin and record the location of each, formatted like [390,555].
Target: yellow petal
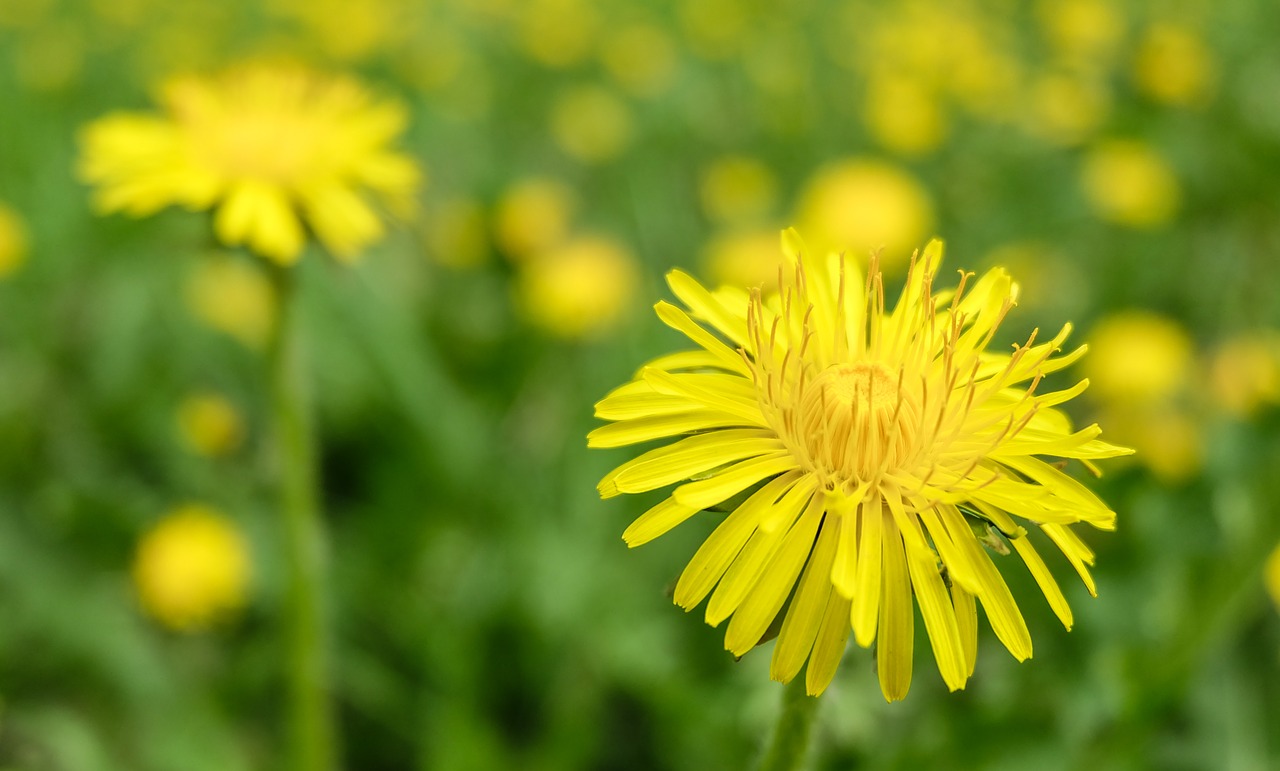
[687,458]
[659,426]
[896,640]
[804,617]
[656,521]
[1044,578]
[828,649]
[865,606]
[708,492]
[939,620]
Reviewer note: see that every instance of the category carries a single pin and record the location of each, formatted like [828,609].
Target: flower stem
[790,742]
[311,737]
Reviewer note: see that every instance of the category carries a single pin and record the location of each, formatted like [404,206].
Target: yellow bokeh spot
[1244,373]
[863,205]
[1066,108]
[904,114]
[1044,277]
[1082,31]
[233,297]
[714,29]
[210,425]
[1137,357]
[1173,65]
[192,568]
[579,289]
[558,33]
[737,189]
[533,215]
[641,57]
[13,241]
[1128,183]
[455,234]
[591,124]
[1168,440]
[747,259]
[1273,576]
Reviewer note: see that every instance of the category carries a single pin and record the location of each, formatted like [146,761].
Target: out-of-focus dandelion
[192,568]
[1138,357]
[579,289]
[1082,33]
[558,33]
[1066,108]
[1173,65]
[591,124]
[273,150]
[232,297]
[746,258]
[737,189]
[1244,372]
[641,58]
[863,205]
[884,452]
[13,241]
[457,236]
[533,215]
[904,114]
[1128,183]
[209,424]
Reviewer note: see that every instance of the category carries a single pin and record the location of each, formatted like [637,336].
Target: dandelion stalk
[790,741]
[311,733]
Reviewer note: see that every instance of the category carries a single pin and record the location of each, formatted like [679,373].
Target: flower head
[273,150]
[883,452]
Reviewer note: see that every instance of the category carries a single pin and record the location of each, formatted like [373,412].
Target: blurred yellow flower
[1066,108]
[1273,576]
[880,452]
[274,150]
[745,259]
[1173,65]
[859,205]
[210,425]
[736,188]
[192,568]
[641,57]
[1138,357]
[456,235]
[558,33]
[904,114]
[1046,279]
[50,58]
[1168,439]
[590,124]
[1128,183]
[714,29]
[1082,31]
[1244,372]
[232,297]
[579,289]
[345,30]
[533,214]
[13,241]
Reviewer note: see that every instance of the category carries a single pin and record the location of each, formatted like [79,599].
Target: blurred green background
[1120,158]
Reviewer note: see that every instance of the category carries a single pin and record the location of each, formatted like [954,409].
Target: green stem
[790,742]
[311,733]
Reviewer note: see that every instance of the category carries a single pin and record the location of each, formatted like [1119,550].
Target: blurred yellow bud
[455,234]
[533,215]
[1244,373]
[1137,357]
[590,124]
[862,205]
[210,425]
[192,568]
[579,289]
[1128,183]
[641,58]
[13,241]
[1174,66]
[904,114]
[747,259]
[737,189]
[234,297]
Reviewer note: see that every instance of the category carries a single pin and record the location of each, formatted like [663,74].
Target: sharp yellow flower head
[885,454]
[192,568]
[273,150]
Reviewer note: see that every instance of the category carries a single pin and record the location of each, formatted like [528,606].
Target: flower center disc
[864,388]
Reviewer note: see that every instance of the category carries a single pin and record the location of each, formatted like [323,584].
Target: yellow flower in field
[1130,184]
[1168,437]
[1174,66]
[192,568]
[1244,372]
[737,189]
[864,205]
[1138,357]
[234,298]
[579,289]
[533,215]
[590,124]
[882,452]
[210,425]
[13,241]
[274,151]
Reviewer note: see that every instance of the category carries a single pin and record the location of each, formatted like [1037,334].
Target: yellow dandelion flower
[1244,372]
[13,241]
[884,453]
[1139,357]
[272,150]
[1173,65]
[192,568]
[234,298]
[1128,183]
[210,425]
[579,289]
